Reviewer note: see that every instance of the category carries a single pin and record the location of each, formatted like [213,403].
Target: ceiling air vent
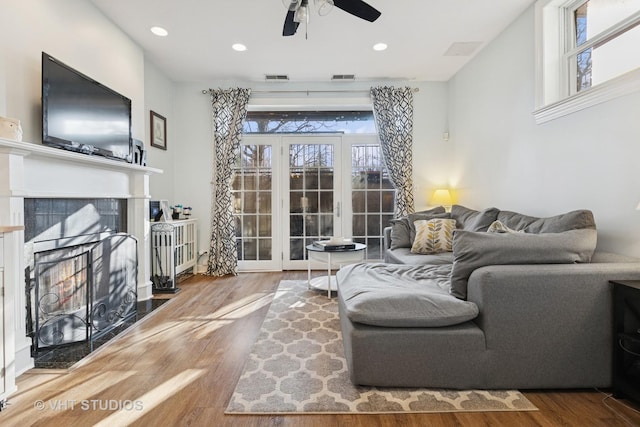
[462,48]
[276,77]
[343,77]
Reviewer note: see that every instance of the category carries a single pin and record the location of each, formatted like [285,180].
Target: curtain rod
[206,91]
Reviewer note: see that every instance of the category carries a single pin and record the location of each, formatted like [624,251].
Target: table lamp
[442,197]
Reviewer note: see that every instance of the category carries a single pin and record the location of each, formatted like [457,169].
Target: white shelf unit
[174,250]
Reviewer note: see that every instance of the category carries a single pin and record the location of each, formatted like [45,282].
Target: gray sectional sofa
[528,306]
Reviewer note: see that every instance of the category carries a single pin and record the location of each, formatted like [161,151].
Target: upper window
[601,48]
[587,53]
[309,122]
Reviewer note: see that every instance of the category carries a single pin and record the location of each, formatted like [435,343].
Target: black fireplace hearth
[64,357]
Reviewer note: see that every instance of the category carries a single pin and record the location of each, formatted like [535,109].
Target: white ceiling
[201,32]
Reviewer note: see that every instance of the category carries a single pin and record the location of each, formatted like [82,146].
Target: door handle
[338,210]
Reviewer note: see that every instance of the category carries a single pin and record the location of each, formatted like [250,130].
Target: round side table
[330,258]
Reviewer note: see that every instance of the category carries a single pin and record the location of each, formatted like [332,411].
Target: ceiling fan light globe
[300,15]
[324,6]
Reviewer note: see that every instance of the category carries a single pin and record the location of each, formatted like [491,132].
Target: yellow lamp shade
[441,196]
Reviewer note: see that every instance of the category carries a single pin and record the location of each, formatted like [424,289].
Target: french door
[290,190]
[313,210]
[256,192]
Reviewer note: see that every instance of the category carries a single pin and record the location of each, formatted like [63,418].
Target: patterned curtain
[229,111]
[393,113]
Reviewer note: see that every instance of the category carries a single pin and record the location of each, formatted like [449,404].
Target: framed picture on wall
[158,131]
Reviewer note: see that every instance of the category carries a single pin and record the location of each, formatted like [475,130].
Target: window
[312,177]
[372,197]
[600,49]
[305,176]
[587,53]
[258,122]
[252,205]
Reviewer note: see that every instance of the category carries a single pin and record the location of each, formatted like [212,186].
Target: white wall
[158,90]
[585,160]
[194,159]
[432,155]
[74,32]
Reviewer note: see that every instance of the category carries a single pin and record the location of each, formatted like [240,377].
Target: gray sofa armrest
[513,298]
[550,312]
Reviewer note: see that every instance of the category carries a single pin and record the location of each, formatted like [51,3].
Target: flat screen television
[82,115]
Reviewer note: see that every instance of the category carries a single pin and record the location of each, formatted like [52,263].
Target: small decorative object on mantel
[139,153]
[10,129]
[165,210]
[177,210]
[186,211]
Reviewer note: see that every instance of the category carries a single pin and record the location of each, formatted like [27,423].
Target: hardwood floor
[179,366]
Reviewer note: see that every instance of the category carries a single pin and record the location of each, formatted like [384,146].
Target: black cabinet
[626,339]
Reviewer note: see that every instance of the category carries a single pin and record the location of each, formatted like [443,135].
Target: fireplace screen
[62,295]
[83,291]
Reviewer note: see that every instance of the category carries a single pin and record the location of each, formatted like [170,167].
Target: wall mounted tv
[82,115]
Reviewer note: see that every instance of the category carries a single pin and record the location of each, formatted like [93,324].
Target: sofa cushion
[405,256]
[373,295]
[403,231]
[400,233]
[473,250]
[433,236]
[574,220]
[472,220]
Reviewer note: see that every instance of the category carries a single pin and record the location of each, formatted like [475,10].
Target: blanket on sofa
[398,295]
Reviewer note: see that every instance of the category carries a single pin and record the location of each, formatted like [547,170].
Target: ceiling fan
[298,11]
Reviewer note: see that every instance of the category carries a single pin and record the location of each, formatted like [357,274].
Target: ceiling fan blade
[290,26]
[358,8]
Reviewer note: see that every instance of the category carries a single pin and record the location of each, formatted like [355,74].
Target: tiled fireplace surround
[35,171]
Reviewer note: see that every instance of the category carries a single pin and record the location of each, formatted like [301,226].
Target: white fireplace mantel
[30,170]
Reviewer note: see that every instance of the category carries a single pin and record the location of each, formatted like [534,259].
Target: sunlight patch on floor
[60,394]
[200,326]
[157,396]
[243,307]
[87,386]
[297,304]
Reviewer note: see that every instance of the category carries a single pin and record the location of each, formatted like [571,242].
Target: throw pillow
[472,220]
[499,227]
[412,218]
[400,233]
[433,236]
[573,220]
[402,230]
[473,250]
[436,212]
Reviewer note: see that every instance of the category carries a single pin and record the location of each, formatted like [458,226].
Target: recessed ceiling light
[379,46]
[239,47]
[159,31]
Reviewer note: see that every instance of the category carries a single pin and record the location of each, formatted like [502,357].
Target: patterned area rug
[297,365]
